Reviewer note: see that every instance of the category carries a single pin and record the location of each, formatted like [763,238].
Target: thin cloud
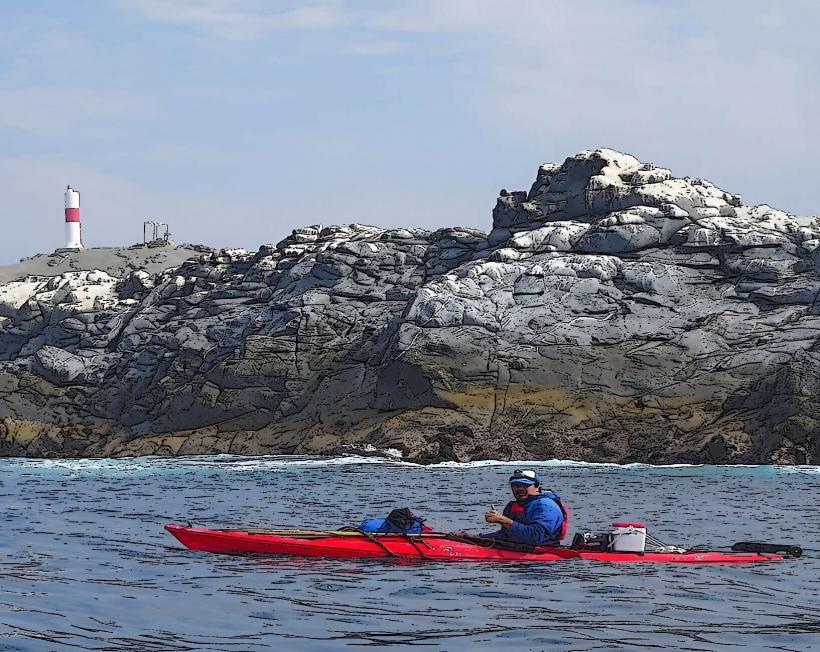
[236,20]
[476,93]
[53,111]
[375,48]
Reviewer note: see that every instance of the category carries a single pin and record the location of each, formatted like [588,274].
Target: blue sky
[238,120]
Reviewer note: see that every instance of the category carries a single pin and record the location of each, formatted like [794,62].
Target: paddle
[773,548]
[330,533]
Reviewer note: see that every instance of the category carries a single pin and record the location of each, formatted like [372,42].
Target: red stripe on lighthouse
[72,214]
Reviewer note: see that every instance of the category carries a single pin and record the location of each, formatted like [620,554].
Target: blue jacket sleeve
[530,534]
[533,534]
[541,523]
[543,518]
[499,534]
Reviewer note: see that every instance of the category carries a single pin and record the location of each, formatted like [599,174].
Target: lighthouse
[73,239]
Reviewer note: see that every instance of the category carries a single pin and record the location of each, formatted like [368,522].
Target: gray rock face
[613,313]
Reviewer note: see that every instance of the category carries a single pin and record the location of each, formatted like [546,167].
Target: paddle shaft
[333,533]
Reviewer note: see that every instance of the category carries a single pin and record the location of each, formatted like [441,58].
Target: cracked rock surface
[613,313]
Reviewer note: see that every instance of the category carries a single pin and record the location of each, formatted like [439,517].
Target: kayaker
[534,518]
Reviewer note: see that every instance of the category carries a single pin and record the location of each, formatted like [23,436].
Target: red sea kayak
[435,546]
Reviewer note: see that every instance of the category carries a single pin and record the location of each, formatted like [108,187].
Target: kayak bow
[435,546]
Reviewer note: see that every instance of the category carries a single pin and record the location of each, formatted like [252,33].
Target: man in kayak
[534,518]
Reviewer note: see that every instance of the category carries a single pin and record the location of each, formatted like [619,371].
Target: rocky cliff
[613,313]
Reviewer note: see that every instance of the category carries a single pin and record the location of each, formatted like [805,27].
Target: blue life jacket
[383,525]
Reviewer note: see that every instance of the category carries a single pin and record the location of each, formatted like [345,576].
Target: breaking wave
[240,463]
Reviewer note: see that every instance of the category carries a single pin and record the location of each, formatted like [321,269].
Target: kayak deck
[434,546]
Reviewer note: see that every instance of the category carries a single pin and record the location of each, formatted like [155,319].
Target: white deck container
[628,536]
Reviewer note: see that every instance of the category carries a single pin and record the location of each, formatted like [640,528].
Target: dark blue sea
[87,565]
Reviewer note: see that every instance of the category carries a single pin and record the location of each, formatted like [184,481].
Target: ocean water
[85,563]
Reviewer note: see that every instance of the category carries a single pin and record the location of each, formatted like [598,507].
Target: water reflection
[86,564]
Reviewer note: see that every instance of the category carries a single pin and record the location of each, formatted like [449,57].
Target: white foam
[370,448]
[802,468]
[521,463]
[237,463]
[389,457]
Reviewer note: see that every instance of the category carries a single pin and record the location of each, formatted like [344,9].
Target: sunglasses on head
[518,473]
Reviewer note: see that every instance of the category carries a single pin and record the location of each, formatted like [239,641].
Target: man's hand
[494,516]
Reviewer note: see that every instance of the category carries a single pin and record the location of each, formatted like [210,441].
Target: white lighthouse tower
[73,237]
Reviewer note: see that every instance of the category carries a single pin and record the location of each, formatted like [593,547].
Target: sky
[236,121]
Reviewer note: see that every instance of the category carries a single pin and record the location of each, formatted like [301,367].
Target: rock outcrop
[613,313]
